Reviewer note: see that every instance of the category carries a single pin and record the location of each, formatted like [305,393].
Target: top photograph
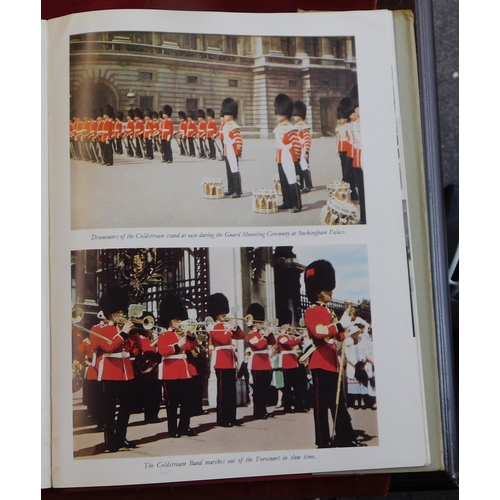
[193,130]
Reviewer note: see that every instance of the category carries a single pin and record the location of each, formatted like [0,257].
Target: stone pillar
[326,48]
[260,101]
[275,46]
[349,49]
[300,45]
[287,275]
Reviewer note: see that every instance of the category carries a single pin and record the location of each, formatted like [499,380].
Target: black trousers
[226,395]
[294,392]
[360,183]
[167,150]
[261,385]
[211,148]
[178,394]
[325,392]
[116,392]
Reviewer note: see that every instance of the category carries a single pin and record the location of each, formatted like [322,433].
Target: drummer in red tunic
[113,346]
[323,328]
[221,337]
[174,370]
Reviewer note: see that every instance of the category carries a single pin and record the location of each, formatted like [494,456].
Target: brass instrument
[77,314]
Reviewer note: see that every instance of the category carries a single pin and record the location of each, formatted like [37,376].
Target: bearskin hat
[154,114]
[182,115]
[108,110]
[201,114]
[283,105]
[257,311]
[171,307]
[147,112]
[319,276]
[138,113]
[210,112]
[113,299]
[191,115]
[299,109]
[229,107]
[344,108]
[167,110]
[217,304]
[100,111]
[119,115]
[130,113]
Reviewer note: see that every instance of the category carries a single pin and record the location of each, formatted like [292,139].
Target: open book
[240,175]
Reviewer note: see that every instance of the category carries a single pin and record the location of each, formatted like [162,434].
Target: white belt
[223,347]
[174,356]
[122,354]
[289,352]
[260,352]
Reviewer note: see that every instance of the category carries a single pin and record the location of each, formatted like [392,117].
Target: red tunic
[118,129]
[260,352]
[129,130]
[182,129]
[191,129]
[107,130]
[173,365]
[138,128]
[287,349]
[167,129]
[202,128]
[113,358]
[325,356]
[148,128]
[221,338]
[289,138]
[211,129]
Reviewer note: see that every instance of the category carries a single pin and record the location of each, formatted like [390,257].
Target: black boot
[296,201]
[237,185]
[230,181]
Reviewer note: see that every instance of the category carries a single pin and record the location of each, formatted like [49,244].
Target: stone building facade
[188,71]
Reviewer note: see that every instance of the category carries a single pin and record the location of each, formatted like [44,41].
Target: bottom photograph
[192,351]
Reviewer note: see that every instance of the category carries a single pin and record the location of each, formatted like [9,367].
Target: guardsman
[129,133]
[148,134]
[221,338]
[211,133]
[118,132]
[299,118]
[138,132]
[182,132]
[295,385]
[324,328]
[191,132]
[107,134]
[202,132]
[288,152]
[113,345]
[166,132]
[174,370]
[260,338]
[233,146]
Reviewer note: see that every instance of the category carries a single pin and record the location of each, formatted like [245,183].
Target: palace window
[192,79]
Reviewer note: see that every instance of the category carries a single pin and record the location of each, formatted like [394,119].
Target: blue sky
[351,268]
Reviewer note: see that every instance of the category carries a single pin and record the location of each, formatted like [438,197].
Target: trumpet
[77,314]
[248,319]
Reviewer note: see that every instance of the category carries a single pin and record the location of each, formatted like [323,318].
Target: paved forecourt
[147,193]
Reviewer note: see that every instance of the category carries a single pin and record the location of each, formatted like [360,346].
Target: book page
[269,214]
[45,326]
